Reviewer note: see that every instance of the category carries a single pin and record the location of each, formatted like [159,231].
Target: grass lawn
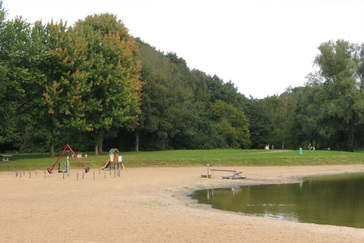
[175,158]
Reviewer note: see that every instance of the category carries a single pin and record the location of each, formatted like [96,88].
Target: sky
[262,46]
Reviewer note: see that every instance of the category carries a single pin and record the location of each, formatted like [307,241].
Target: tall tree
[341,71]
[66,84]
[113,75]
[21,58]
[261,122]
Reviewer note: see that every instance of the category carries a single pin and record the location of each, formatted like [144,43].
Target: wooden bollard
[16,174]
[208,170]
[35,172]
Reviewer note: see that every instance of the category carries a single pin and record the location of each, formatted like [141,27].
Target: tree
[340,66]
[66,85]
[21,59]
[113,76]
[261,122]
[231,124]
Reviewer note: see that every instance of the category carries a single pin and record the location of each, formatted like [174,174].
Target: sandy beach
[149,205]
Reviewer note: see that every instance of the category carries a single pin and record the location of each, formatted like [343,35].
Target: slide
[106,165]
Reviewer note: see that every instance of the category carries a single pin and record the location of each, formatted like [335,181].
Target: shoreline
[151,205]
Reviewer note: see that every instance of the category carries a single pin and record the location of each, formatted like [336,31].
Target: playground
[149,205]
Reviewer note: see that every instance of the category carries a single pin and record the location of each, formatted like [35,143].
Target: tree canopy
[93,85]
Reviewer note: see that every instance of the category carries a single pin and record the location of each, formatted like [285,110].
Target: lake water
[333,200]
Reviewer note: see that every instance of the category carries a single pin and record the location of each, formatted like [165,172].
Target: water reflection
[336,200]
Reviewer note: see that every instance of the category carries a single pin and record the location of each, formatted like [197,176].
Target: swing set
[67,149]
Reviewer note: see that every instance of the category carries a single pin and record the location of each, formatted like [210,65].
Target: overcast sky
[261,46]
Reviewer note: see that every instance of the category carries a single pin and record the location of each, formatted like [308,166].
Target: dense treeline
[93,85]
[184,109]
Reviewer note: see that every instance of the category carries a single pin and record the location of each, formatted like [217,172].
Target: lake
[334,200]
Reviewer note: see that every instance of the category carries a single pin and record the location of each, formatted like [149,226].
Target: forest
[94,86]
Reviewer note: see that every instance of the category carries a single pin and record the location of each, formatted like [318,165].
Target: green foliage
[341,96]
[231,124]
[261,122]
[93,84]
[113,75]
[176,106]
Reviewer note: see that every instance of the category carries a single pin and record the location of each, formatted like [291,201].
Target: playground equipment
[235,174]
[66,149]
[114,159]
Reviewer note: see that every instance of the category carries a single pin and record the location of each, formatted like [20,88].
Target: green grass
[180,158]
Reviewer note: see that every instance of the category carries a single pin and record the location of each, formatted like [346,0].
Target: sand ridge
[149,205]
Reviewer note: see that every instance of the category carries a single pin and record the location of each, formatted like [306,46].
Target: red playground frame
[67,149]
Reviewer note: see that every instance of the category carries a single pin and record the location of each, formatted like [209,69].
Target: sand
[149,205]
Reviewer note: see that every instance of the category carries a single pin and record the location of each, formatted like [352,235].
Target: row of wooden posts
[21,174]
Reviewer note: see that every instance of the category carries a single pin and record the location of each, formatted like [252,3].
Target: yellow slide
[106,165]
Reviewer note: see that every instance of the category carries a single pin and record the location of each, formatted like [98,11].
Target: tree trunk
[137,141]
[96,149]
[100,147]
[52,150]
[352,138]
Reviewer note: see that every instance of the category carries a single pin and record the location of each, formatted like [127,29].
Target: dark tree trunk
[52,149]
[96,149]
[137,141]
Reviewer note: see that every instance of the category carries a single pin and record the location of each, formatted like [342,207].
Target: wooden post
[208,170]
[16,174]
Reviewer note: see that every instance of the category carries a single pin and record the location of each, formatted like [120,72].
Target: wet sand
[149,205]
